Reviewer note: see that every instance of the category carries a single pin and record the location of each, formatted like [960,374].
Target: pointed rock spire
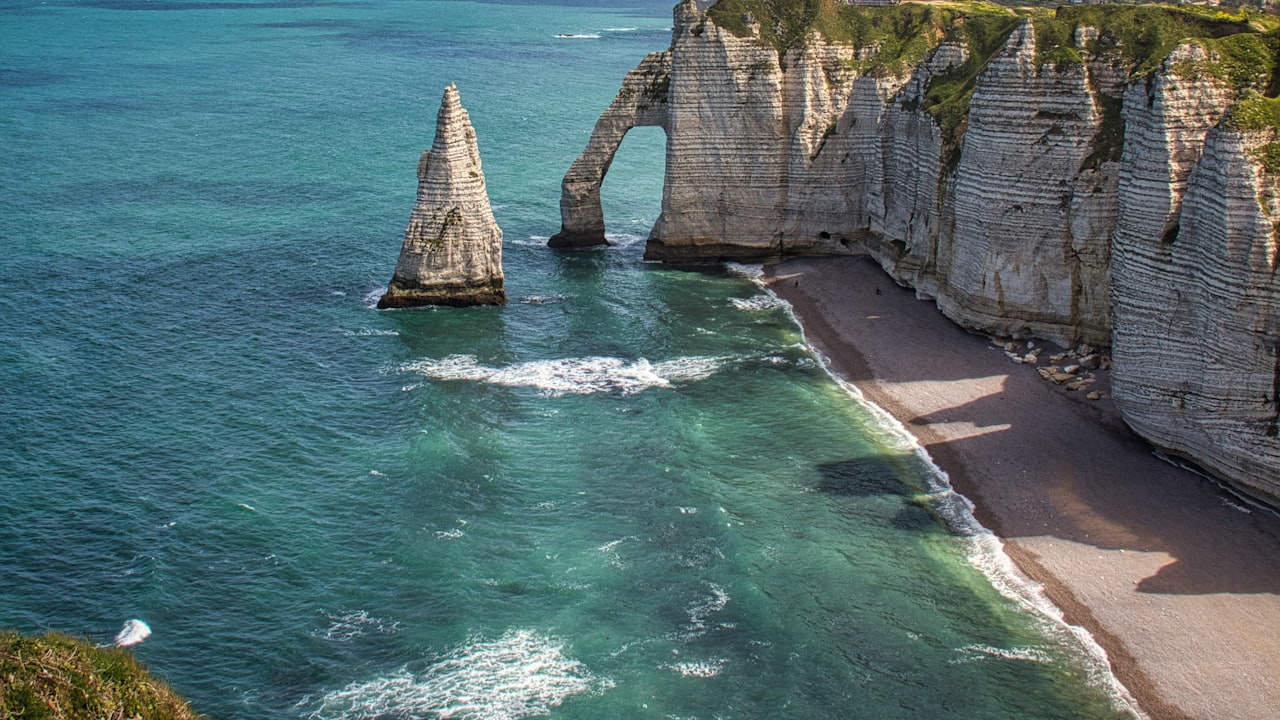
[452,252]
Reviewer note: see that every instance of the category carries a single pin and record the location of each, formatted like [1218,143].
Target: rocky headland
[1093,176]
[452,252]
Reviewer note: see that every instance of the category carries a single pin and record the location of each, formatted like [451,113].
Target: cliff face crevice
[1076,177]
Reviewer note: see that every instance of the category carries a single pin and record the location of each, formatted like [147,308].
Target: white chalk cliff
[452,252]
[1072,196]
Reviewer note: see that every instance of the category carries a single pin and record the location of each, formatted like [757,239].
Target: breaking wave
[759,303]
[521,674]
[371,332]
[572,376]
[750,272]
[541,299]
[346,627]
[697,668]
[974,653]
[372,297]
[701,612]
[625,239]
[133,632]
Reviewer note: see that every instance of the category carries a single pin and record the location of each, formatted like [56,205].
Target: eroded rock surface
[452,252]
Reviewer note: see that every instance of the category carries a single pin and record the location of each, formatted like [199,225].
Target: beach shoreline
[1173,576]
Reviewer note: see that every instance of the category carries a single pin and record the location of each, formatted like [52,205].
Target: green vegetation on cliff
[61,678]
[947,96]
[1243,45]
[1139,37]
[1255,112]
[902,35]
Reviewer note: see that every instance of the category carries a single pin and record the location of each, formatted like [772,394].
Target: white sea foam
[372,297]
[453,534]
[622,239]
[370,332]
[701,611]
[521,674]
[579,36]
[758,303]
[572,376]
[750,272]
[540,299]
[612,546]
[620,29]
[133,632]
[697,668]
[974,653]
[345,627]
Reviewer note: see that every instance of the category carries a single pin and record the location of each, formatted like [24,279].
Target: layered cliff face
[1076,177]
[1197,294]
[452,253]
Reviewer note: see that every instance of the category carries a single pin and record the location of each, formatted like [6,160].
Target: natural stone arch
[641,102]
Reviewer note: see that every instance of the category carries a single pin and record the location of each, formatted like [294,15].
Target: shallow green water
[630,493]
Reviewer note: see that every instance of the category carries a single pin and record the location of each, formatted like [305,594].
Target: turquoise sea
[631,493]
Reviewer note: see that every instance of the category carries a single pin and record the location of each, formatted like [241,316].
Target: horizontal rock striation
[1074,176]
[452,253]
[1197,294]
[1018,259]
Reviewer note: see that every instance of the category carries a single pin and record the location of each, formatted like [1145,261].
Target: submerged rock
[452,252]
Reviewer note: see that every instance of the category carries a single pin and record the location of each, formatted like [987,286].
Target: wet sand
[1177,579]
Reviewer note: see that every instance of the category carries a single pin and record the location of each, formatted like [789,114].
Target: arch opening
[631,188]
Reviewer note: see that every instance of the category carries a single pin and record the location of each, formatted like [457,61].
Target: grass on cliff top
[1255,112]
[56,677]
[1244,45]
[1142,36]
[904,34]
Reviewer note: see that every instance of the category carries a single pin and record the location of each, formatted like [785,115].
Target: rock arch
[641,102]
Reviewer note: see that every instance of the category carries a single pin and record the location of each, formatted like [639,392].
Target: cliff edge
[1099,174]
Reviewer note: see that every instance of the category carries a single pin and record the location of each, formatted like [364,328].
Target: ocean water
[631,493]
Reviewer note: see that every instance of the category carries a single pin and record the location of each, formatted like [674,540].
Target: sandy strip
[1177,579]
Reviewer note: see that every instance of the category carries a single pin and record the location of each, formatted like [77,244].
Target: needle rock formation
[452,252]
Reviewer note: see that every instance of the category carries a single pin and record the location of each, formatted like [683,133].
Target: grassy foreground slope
[61,678]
